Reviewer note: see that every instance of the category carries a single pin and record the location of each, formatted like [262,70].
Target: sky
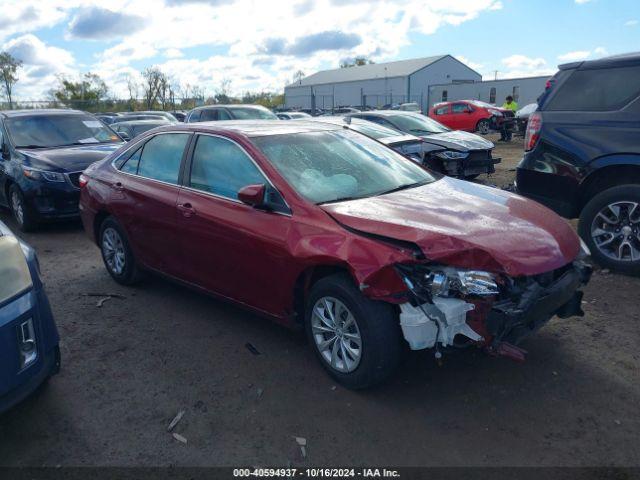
[259,45]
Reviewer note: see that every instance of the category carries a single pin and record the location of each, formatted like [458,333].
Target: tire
[116,253]
[483,127]
[376,324]
[613,238]
[22,212]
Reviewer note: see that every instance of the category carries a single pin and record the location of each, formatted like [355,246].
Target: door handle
[186,209]
[118,186]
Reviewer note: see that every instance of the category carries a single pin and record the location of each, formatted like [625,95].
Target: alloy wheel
[18,207]
[615,231]
[483,128]
[336,334]
[113,251]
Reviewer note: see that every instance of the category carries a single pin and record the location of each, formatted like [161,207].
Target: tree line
[155,91]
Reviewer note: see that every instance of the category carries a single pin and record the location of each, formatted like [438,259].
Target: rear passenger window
[131,165]
[597,90]
[161,157]
[220,166]
[442,110]
[209,115]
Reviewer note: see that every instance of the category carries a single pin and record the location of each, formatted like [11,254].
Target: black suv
[582,155]
[43,153]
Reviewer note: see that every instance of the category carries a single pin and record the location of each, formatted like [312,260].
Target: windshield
[41,131]
[252,113]
[339,165]
[418,124]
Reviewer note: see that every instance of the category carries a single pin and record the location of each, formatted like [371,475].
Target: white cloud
[21,16]
[631,23]
[523,66]
[310,34]
[41,64]
[173,53]
[581,2]
[574,56]
[600,52]
[579,55]
[471,64]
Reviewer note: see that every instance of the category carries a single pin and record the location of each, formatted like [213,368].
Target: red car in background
[317,226]
[470,115]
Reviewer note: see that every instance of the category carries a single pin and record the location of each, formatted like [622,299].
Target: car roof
[254,128]
[141,122]
[41,111]
[621,60]
[386,113]
[230,105]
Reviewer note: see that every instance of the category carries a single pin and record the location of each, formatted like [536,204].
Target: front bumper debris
[497,323]
[478,162]
[512,321]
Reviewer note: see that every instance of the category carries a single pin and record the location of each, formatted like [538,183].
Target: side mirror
[252,195]
[124,136]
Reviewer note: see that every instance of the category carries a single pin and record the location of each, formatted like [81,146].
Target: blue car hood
[68,159]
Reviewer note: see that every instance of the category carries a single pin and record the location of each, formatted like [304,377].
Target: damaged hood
[466,225]
[459,140]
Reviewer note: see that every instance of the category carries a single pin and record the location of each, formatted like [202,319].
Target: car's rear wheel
[483,127]
[116,253]
[22,212]
[357,340]
[610,225]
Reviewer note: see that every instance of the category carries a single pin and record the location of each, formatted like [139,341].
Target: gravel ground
[132,365]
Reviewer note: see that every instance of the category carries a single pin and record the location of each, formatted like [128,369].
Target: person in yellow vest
[505,132]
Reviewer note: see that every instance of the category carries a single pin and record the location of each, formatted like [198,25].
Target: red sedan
[317,226]
[469,115]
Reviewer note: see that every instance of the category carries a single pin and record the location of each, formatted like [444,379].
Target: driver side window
[459,108]
[221,167]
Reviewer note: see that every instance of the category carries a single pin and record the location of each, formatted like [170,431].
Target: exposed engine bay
[452,307]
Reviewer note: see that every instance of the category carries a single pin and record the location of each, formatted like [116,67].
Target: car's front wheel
[22,212]
[610,226]
[357,340]
[116,253]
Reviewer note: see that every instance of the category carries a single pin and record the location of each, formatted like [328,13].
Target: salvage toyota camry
[318,226]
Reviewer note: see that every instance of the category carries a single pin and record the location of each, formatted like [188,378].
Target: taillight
[83,180]
[534,125]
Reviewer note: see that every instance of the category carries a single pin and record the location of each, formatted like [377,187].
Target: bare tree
[298,76]
[198,95]
[153,78]
[8,74]
[222,92]
[133,88]
[164,91]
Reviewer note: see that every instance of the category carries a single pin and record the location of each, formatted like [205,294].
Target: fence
[106,105]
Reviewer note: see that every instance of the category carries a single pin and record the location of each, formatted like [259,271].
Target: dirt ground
[132,365]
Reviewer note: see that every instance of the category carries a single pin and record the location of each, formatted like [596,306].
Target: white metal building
[523,90]
[378,84]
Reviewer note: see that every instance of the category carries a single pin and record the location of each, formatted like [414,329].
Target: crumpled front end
[451,307]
